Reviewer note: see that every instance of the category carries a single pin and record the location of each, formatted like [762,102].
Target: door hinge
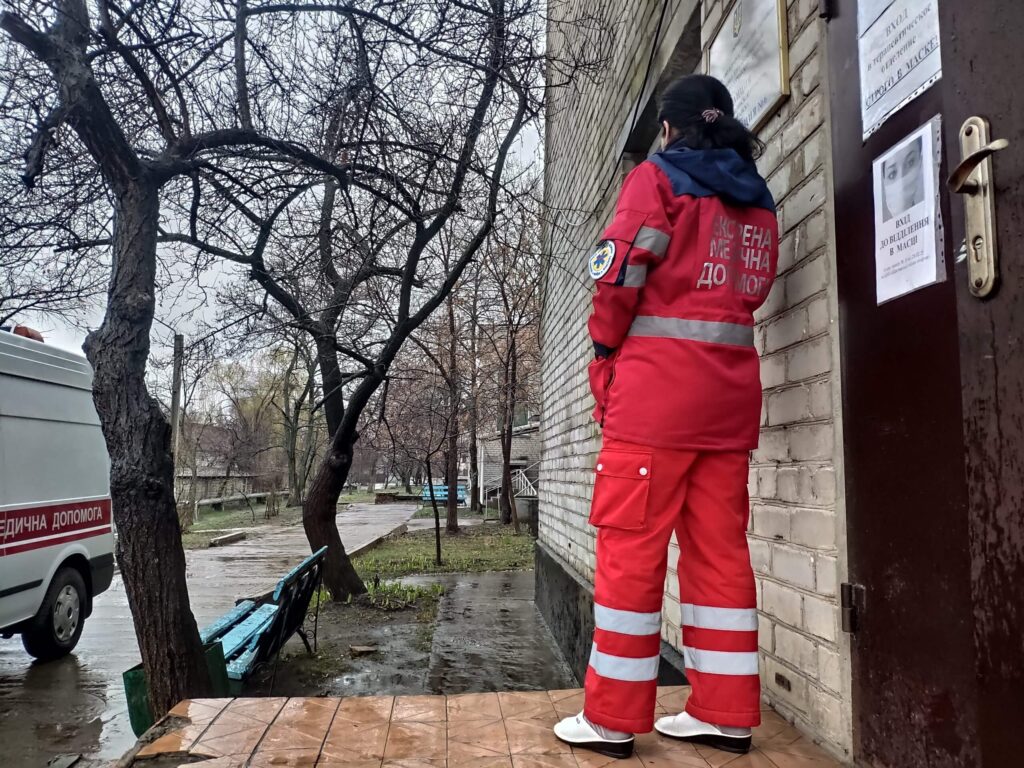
[851,603]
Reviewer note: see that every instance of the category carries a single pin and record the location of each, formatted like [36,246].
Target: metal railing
[522,486]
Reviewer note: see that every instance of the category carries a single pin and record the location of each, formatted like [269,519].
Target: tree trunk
[291,413]
[318,520]
[505,509]
[138,437]
[330,377]
[474,403]
[505,439]
[508,507]
[474,468]
[452,524]
[193,491]
[294,491]
[308,454]
[437,515]
[453,424]
[320,508]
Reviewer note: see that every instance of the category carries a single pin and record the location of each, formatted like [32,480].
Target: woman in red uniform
[688,258]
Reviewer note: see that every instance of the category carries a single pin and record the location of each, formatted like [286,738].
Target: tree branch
[109,33]
[241,82]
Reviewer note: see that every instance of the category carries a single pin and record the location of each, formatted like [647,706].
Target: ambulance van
[56,534]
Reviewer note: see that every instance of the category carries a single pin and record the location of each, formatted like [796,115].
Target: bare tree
[445,361]
[218,128]
[415,418]
[299,420]
[474,394]
[512,268]
[199,358]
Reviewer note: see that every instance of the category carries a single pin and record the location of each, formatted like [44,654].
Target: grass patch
[428,511]
[395,596]
[242,517]
[358,497]
[477,549]
[198,540]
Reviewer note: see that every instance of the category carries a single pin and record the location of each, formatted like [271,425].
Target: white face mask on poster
[903,180]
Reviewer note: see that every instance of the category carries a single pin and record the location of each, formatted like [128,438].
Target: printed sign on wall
[750,54]
[899,56]
[908,223]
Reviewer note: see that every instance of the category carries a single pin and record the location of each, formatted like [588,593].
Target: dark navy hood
[719,172]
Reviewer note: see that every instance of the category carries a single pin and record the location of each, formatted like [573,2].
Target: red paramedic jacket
[690,255]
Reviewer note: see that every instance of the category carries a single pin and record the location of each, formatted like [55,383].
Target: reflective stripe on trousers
[734,334]
[702,498]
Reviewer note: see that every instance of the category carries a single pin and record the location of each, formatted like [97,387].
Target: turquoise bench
[254,631]
[441,494]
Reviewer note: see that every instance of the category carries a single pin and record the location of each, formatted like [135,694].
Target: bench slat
[441,493]
[251,626]
[297,571]
[227,621]
[240,668]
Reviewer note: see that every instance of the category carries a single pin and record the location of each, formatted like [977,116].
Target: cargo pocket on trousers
[621,488]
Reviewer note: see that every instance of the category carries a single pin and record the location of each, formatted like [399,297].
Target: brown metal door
[933,407]
[982,67]
[906,493]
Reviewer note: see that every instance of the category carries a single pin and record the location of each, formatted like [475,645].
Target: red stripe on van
[17,525]
[14,549]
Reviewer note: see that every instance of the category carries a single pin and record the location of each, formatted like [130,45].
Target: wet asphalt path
[77,705]
[509,648]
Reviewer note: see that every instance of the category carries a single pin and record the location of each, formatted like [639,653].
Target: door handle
[958,180]
[973,179]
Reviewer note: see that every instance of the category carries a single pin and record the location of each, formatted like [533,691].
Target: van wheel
[54,631]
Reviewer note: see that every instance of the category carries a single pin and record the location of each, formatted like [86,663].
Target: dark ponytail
[699,108]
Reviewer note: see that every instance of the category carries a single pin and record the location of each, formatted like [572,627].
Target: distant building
[525,462]
[209,457]
[212,482]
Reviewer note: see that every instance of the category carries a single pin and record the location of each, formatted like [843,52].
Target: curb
[228,538]
[392,534]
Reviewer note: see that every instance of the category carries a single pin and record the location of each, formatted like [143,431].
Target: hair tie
[711,115]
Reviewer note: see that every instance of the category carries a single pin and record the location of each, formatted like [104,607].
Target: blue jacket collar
[714,172]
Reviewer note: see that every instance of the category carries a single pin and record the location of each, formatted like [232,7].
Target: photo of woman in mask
[903,180]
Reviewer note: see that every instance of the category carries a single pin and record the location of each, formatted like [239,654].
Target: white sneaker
[686,727]
[580,732]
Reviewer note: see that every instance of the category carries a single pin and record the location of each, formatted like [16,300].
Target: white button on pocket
[643,471]
[600,467]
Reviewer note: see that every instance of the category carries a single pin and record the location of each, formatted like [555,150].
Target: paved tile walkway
[473,730]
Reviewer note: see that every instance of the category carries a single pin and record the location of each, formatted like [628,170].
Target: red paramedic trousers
[641,495]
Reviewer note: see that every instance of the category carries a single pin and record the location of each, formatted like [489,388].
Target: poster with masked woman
[908,225]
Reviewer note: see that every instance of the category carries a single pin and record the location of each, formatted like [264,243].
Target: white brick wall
[795,534]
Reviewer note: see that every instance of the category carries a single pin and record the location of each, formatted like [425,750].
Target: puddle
[490,637]
[398,667]
[38,725]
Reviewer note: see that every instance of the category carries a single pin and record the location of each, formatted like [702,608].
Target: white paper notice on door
[899,56]
[908,222]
